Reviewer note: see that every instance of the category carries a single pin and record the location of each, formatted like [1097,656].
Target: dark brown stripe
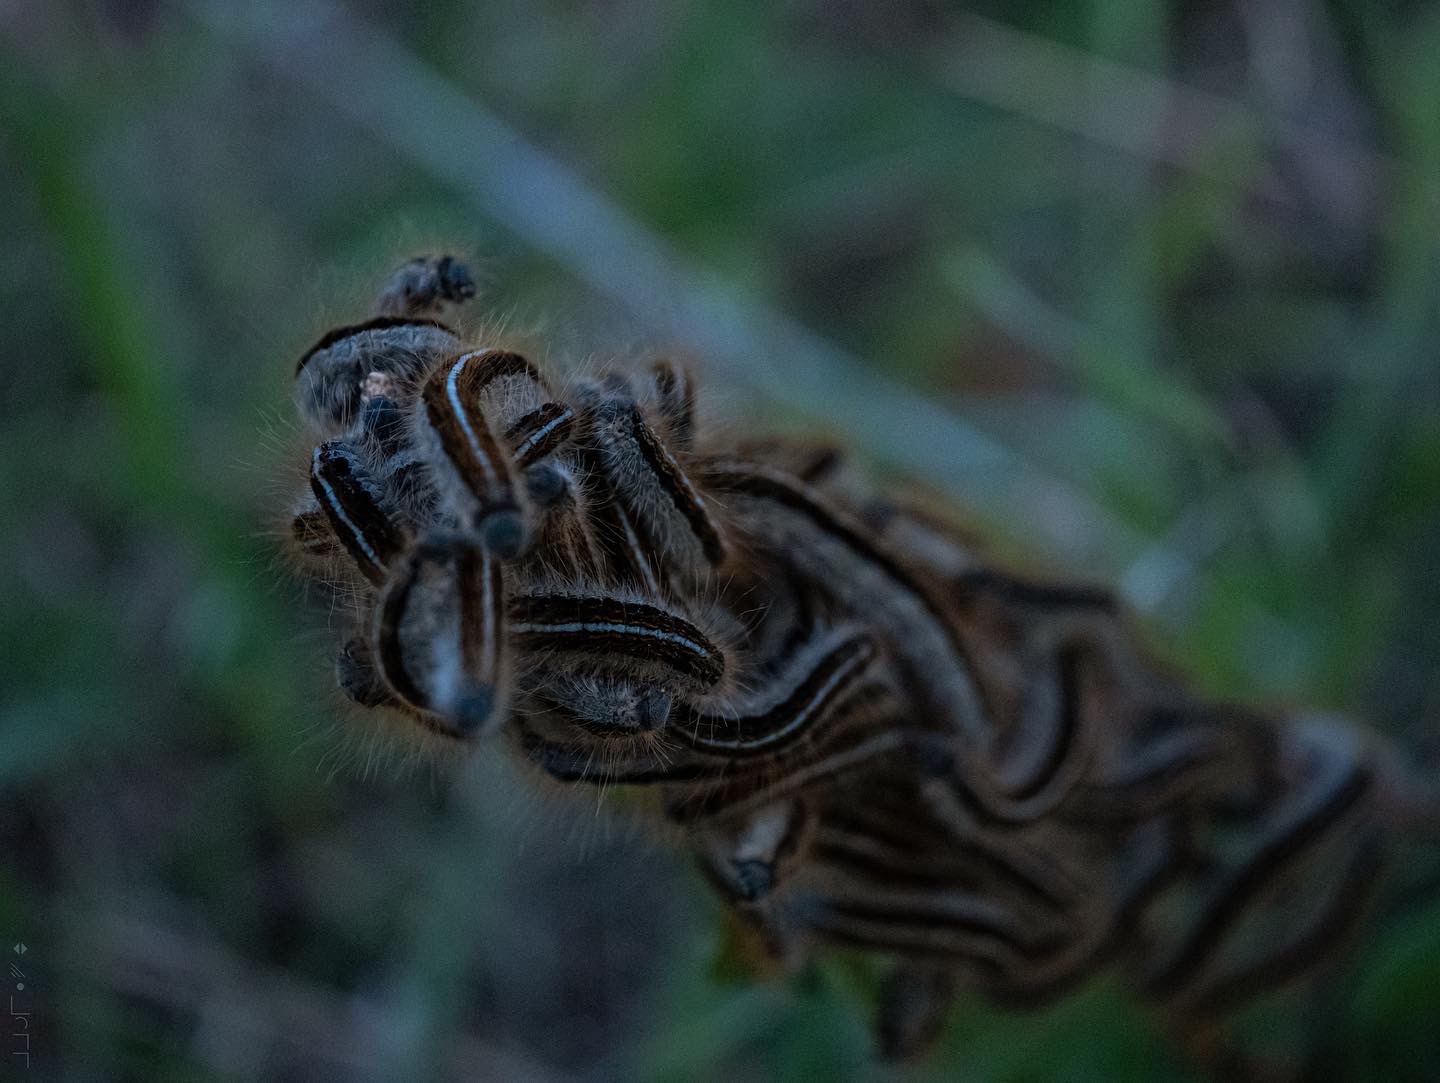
[938,765]
[539,433]
[1236,891]
[973,794]
[914,915]
[916,920]
[830,681]
[379,323]
[1167,773]
[803,618]
[1357,885]
[820,463]
[452,403]
[603,625]
[914,830]
[1039,876]
[870,858]
[910,829]
[907,942]
[992,810]
[766,484]
[850,751]
[1066,727]
[355,517]
[671,478]
[497,365]
[1038,879]
[1167,861]
[389,648]
[1024,592]
[482,614]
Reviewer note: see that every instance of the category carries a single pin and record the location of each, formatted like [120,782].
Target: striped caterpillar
[867,734]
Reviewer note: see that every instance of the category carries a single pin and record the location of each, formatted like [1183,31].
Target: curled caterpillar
[867,734]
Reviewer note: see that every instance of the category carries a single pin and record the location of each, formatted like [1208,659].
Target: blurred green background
[1148,287]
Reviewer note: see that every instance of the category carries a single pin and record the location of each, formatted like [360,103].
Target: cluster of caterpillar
[867,733]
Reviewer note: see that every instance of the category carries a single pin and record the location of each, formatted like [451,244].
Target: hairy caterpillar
[867,734]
